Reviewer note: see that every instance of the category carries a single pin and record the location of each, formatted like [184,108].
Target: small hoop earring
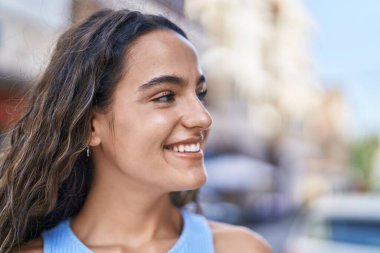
[87,152]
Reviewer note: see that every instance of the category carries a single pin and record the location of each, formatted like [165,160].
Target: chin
[195,181]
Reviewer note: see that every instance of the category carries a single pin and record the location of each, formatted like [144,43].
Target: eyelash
[201,95]
[168,96]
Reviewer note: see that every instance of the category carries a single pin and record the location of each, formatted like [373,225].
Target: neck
[121,214]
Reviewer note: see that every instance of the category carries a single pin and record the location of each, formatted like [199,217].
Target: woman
[111,147]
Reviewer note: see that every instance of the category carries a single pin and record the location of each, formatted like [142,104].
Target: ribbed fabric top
[196,236]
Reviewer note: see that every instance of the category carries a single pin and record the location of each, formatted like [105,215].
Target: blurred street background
[293,85]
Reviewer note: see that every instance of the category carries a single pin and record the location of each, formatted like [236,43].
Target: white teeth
[187,148]
[195,147]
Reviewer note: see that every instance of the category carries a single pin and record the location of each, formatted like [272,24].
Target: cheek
[139,142]
[144,130]
[161,120]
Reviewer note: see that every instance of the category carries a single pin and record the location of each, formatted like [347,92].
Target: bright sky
[347,53]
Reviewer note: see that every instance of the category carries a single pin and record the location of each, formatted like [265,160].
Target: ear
[96,130]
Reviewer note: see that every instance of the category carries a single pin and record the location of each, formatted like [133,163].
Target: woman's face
[155,132]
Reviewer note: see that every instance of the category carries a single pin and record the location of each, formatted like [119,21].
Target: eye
[165,97]
[201,95]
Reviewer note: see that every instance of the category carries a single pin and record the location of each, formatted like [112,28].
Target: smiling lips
[190,148]
[185,148]
[187,151]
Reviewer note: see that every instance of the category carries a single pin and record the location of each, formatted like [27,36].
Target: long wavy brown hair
[45,174]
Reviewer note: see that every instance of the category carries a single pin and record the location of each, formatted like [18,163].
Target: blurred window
[355,231]
[364,232]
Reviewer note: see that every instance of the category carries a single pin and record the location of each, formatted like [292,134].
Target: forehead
[162,52]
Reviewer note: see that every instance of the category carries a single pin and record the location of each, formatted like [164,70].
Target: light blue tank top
[196,237]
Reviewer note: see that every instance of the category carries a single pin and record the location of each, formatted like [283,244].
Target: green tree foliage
[362,155]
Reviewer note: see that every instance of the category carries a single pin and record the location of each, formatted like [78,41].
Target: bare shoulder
[230,238]
[34,246]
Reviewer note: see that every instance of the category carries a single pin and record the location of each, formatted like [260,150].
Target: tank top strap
[61,239]
[196,235]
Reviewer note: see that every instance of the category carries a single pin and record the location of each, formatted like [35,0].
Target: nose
[195,115]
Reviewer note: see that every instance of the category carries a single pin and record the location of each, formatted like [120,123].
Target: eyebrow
[172,79]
